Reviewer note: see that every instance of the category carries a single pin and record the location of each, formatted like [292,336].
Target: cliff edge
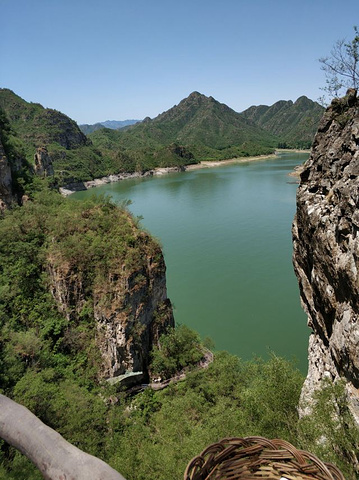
[326,249]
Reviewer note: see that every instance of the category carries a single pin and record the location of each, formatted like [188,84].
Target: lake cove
[226,237]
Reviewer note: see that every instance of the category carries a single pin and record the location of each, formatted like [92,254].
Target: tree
[52,454]
[341,67]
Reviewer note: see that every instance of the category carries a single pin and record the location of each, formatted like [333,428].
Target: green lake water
[226,237]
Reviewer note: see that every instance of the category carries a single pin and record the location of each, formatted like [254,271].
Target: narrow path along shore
[204,363]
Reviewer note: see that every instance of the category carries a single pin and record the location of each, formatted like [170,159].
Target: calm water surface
[226,237]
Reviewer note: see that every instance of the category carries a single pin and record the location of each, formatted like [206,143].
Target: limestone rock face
[130,308]
[326,248]
[43,163]
[132,322]
[5,180]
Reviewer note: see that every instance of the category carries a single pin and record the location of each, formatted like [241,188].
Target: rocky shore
[80,186]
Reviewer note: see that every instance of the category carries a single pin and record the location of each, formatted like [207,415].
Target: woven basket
[255,458]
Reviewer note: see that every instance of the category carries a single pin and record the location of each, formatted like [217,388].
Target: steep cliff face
[43,163]
[326,249]
[123,298]
[131,312]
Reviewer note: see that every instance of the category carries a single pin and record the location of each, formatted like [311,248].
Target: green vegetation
[198,128]
[178,349]
[72,153]
[155,434]
[77,244]
[294,124]
[202,127]
[114,124]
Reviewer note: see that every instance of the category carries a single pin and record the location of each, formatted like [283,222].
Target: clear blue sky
[116,59]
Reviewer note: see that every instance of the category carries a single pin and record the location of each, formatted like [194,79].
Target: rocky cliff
[43,163]
[326,249]
[123,298]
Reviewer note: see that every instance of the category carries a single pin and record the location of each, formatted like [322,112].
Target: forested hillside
[198,128]
[294,124]
[114,124]
[73,156]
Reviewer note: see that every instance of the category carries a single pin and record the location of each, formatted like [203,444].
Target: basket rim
[203,465]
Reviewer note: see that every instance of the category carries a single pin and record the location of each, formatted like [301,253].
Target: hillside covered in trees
[198,128]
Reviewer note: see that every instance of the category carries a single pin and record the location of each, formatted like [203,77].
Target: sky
[98,60]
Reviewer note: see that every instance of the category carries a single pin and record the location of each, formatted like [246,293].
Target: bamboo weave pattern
[256,458]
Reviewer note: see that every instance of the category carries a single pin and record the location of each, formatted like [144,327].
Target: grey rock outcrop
[138,314]
[43,163]
[326,249]
[130,308]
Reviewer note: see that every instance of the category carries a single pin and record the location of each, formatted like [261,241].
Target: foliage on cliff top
[82,241]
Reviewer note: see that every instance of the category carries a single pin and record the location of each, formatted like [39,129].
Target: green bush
[177,349]
[330,430]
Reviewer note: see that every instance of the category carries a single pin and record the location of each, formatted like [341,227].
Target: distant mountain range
[198,128]
[113,124]
[210,130]
[294,124]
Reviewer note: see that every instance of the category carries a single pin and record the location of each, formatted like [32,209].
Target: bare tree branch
[56,458]
[342,66]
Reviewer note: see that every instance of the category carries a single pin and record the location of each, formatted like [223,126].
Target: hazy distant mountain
[206,128]
[294,124]
[113,124]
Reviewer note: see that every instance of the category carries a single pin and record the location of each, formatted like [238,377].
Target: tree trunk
[56,458]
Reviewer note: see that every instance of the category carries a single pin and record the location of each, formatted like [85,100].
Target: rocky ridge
[326,249]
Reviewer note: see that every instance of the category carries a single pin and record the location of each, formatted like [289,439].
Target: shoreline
[229,161]
[81,186]
[294,150]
